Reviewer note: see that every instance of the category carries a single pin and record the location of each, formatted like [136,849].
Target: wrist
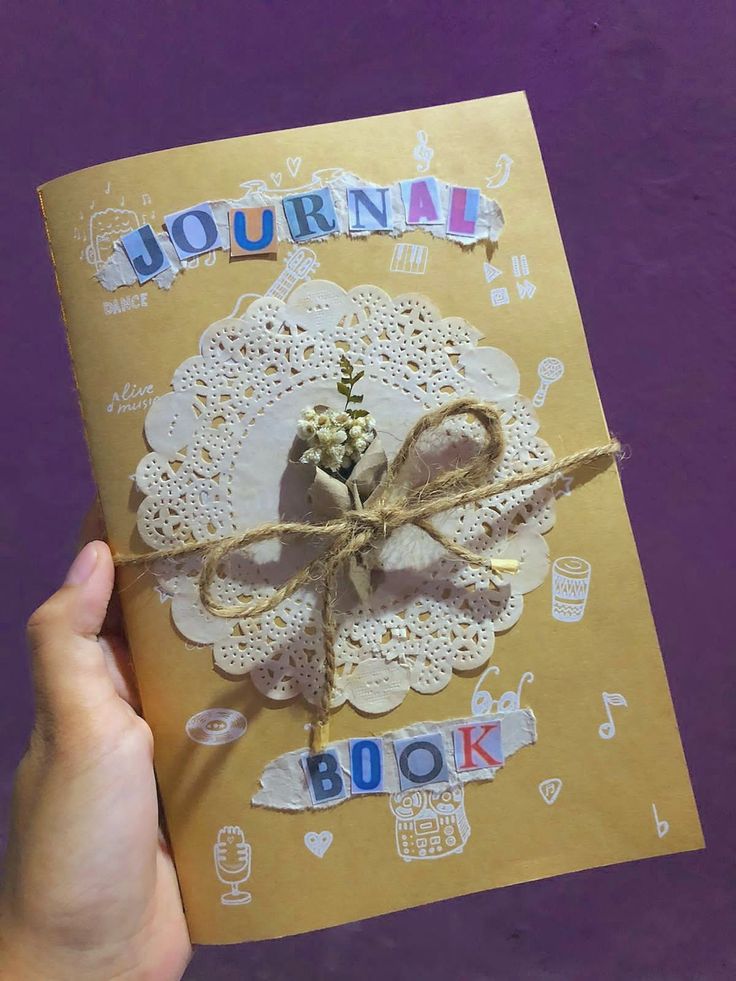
[27,957]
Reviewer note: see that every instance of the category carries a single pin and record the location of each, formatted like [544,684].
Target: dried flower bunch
[336,439]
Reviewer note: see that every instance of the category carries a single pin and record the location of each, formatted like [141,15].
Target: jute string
[355,531]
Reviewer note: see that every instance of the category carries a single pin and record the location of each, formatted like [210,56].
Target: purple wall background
[631,101]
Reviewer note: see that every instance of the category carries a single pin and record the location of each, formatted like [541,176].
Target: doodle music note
[122,201]
[107,189]
[662,826]
[422,152]
[146,199]
[607,730]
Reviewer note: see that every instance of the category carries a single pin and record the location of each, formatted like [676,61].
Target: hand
[89,889]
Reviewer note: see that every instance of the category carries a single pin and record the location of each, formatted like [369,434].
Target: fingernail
[82,567]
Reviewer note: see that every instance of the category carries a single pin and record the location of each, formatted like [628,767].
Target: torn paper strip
[285,786]
[117,271]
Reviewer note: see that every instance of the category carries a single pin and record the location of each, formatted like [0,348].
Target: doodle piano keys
[409,259]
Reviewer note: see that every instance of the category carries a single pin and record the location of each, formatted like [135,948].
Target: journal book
[379,583]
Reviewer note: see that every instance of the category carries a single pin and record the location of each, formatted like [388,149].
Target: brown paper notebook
[255,326]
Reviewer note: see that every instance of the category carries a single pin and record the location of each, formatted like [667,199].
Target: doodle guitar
[430,823]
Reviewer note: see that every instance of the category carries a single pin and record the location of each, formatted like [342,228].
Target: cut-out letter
[463,211]
[323,775]
[193,231]
[369,209]
[478,746]
[366,766]
[144,250]
[310,215]
[421,760]
[421,199]
[253,231]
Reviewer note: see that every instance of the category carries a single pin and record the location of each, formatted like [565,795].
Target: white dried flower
[335,439]
[311,455]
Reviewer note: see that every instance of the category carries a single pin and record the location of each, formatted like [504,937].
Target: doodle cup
[570,583]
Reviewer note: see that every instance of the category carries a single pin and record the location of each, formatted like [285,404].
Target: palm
[87,868]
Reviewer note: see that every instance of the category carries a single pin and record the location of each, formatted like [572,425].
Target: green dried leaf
[358,413]
[356,398]
[343,389]
[356,378]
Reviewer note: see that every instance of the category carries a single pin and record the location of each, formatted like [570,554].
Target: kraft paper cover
[606,779]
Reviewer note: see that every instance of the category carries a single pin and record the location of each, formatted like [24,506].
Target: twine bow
[355,531]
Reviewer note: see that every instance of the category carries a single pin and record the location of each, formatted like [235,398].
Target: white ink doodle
[409,259]
[430,823]
[233,858]
[563,485]
[293,164]
[519,265]
[491,272]
[299,265]
[105,228]
[499,296]
[526,290]
[607,730]
[422,152]
[131,398]
[570,585]
[215,726]
[318,842]
[549,370]
[483,702]
[662,826]
[502,172]
[550,789]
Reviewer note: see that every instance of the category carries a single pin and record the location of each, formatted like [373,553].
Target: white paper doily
[221,444]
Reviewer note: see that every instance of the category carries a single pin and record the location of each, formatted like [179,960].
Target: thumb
[69,669]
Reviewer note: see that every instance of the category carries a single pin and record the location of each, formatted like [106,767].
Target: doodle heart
[318,842]
[293,164]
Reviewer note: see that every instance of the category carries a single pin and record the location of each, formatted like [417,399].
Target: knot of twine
[355,531]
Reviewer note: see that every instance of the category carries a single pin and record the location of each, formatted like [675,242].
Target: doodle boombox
[430,823]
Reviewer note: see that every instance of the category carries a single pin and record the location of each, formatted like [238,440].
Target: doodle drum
[570,583]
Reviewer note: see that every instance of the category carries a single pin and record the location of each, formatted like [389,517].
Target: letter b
[323,776]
